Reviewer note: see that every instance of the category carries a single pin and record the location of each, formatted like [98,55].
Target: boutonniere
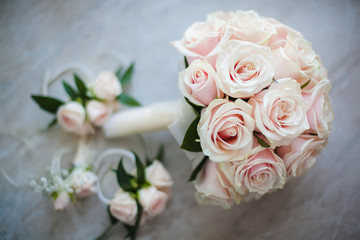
[89,104]
[143,191]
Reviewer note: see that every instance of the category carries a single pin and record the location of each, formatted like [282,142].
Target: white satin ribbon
[105,167]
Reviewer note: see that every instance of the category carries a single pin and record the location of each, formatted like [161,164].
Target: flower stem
[104,233]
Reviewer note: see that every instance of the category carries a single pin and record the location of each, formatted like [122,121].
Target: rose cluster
[81,118]
[89,106]
[151,193]
[261,95]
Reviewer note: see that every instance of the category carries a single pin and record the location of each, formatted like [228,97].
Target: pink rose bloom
[249,26]
[244,68]
[159,177]
[296,59]
[322,75]
[123,207]
[153,200]
[226,130]
[320,114]
[198,83]
[106,86]
[279,39]
[280,112]
[98,112]
[300,154]
[62,201]
[213,188]
[71,117]
[260,173]
[203,40]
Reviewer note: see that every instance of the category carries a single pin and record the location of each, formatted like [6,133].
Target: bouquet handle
[156,117]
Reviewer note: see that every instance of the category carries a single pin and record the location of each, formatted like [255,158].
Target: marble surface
[36,36]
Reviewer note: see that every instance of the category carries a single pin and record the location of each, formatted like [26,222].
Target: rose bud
[98,112]
[123,207]
[106,86]
[71,117]
[159,177]
[62,201]
[153,200]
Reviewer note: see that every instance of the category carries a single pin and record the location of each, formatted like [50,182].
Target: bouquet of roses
[260,97]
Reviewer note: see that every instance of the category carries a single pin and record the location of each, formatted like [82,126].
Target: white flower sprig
[66,185]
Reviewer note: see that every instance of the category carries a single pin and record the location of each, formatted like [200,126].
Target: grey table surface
[36,36]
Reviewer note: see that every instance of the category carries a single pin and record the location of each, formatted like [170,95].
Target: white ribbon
[27,144]
[52,76]
[105,167]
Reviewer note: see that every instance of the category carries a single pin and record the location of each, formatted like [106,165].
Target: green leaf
[140,171]
[54,195]
[72,198]
[47,103]
[126,78]
[138,219]
[305,84]
[160,154]
[80,86]
[127,100]
[52,123]
[70,91]
[118,73]
[196,108]
[123,178]
[261,142]
[113,220]
[191,140]
[186,62]
[197,169]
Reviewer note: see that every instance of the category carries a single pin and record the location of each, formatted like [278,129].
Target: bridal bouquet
[260,97]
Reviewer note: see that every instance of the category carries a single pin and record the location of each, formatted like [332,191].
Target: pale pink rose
[159,177]
[296,59]
[280,38]
[226,130]
[244,68]
[260,173]
[83,182]
[71,117]
[203,40]
[98,112]
[300,154]
[106,86]
[123,207]
[198,83]
[220,15]
[249,26]
[62,201]
[211,188]
[280,112]
[320,114]
[321,76]
[152,200]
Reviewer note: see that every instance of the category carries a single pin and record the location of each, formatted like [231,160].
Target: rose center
[228,133]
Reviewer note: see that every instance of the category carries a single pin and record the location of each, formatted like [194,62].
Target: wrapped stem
[151,118]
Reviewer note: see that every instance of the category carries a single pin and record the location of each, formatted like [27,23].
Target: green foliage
[48,104]
[191,140]
[197,169]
